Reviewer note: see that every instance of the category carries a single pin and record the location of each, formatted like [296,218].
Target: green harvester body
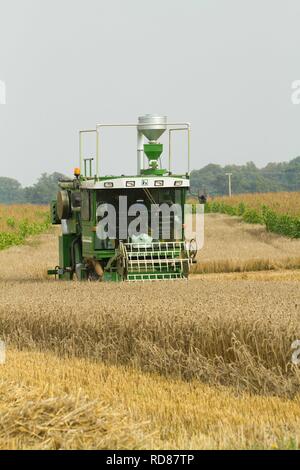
[86,256]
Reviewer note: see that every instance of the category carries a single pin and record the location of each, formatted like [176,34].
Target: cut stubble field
[204,363]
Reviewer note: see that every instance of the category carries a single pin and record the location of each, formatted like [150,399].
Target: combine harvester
[81,204]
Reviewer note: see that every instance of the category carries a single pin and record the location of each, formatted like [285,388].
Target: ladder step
[158,261]
[154,277]
[154,246]
[137,254]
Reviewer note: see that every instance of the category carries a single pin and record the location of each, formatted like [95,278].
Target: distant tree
[44,190]
[209,178]
[10,191]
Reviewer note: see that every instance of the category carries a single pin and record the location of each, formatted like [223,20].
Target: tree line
[211,180]
[247,178]
[42,192]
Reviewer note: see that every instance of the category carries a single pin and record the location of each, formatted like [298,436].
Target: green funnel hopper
[153,151]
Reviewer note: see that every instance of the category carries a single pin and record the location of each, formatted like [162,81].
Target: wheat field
[231,245]
[48,402]
[12,215]
[281,202]
[237,333]
[204,363]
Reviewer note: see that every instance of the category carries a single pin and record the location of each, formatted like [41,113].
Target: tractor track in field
[231,245]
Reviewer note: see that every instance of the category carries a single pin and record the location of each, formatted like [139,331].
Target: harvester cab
[125,228]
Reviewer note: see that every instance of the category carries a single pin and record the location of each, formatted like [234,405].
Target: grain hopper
[101,237]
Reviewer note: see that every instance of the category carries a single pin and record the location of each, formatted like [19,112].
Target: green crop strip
[22,230]
[283,224]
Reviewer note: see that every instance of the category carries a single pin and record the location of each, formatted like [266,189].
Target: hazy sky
[225,66]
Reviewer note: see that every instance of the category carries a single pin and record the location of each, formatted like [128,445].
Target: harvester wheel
[121,267]
[193,248]
[93,276]
[94,270]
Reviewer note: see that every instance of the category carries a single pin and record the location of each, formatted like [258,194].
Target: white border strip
[124,183]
